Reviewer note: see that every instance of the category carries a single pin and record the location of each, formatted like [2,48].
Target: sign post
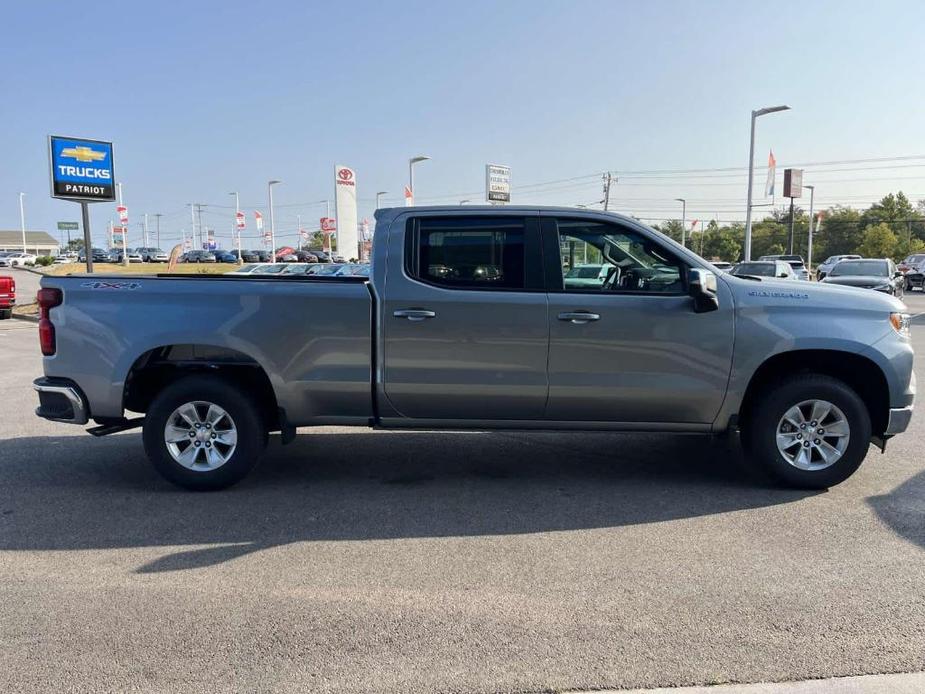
[81,171]
[793,188]
[68,227]
[497,184]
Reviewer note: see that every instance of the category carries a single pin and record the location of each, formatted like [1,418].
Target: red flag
[409,197]
[694,223]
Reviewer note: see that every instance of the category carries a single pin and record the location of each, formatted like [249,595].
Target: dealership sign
[497,183]
[81,169]
[345,203]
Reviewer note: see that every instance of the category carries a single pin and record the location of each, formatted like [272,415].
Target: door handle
[414,314]
[579,317]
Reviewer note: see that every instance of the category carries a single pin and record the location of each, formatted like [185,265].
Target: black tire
[759,430]
[6,313]
[251,432]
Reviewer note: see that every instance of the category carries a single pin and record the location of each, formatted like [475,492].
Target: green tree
[879,242]
[723,243]
[672,228]
[839,232]
[898,213]
[75,245]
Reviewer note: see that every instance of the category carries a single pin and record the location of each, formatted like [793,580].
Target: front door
[464,319]
[625,343]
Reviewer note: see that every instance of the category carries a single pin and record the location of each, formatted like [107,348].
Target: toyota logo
[345,174]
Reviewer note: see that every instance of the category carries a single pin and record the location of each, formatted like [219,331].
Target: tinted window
[754,269]
[623,260]
[476,252]
[861,267]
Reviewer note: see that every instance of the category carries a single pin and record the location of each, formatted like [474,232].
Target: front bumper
[898,421]
[60,400]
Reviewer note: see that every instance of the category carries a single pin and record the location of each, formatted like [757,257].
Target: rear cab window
[474,252]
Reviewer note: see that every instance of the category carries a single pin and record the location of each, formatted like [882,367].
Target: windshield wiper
[754,278]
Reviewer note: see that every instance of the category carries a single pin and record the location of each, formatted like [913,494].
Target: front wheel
[203,433]
[810,431]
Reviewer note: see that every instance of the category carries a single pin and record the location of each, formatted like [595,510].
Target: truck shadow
[76,492]
[903,509]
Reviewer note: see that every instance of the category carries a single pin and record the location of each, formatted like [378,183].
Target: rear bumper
[60,400]
[898,421]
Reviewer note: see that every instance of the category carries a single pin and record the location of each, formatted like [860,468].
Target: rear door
[464,320]
[631,349]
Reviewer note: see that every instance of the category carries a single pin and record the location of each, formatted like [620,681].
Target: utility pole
[683,220]
[192,215]
[199,217]
[157,228]
[607,181]
[299,235]
[146,229]
[124,232]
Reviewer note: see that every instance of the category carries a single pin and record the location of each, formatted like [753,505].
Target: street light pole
[683,220]
[809,238]
[751,174]
[411,163]
[22,221]
[379,196]
[124,235]
[270,185]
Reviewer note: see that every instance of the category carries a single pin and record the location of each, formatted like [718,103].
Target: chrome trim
[77,403]
[898,421]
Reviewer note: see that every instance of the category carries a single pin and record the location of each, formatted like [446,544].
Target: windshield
[860,267]
[754,269]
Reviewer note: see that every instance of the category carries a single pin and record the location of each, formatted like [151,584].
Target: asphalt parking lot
[358,561]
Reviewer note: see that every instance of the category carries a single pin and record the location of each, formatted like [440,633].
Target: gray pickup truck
[470,320]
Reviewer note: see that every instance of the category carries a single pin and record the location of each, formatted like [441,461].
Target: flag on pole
[772,172]
[694,223]
[239,220]
[123,214]
[409,197]
[259,218]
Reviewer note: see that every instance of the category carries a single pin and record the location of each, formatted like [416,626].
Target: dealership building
[37,242]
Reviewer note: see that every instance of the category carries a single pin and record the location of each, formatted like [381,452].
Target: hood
[857,280]
[815,295]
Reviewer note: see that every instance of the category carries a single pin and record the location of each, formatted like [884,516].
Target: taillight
[47,299]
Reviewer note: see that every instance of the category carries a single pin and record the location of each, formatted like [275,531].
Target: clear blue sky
[204,98]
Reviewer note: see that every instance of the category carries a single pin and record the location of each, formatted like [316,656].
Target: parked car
[65,259]
[17,259]
[306,257]
[225,256]
[913,269]
[323,256]
[764,268]
[878,274]
[116,255]
[7,296]
[97,254]
[198,257]
[824,268]
[796,262]
[811,374]
[261,256]
[247,256]
[153,255]
[285,254]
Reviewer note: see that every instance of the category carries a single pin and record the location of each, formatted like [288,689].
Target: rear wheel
[6,313]
[203,433]
[810,431]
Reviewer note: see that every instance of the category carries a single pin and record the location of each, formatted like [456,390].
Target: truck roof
[392,211]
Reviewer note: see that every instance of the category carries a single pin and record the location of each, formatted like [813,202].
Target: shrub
[44,260]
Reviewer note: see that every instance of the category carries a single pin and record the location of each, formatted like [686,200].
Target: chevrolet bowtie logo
[82,153]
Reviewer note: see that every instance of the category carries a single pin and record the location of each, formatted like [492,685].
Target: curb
[30,319]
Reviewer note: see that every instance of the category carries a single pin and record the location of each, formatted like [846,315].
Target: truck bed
[310,335]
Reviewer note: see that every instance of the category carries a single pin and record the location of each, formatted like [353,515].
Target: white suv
[17,260]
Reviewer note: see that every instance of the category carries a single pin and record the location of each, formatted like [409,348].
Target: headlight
[900,323]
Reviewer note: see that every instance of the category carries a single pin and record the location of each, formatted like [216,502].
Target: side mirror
[897,274]
[701,286]
[783,275]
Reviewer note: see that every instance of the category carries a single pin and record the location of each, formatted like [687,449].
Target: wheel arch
[160,366]
[860,373]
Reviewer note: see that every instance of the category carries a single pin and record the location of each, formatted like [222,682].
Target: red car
[7,296]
